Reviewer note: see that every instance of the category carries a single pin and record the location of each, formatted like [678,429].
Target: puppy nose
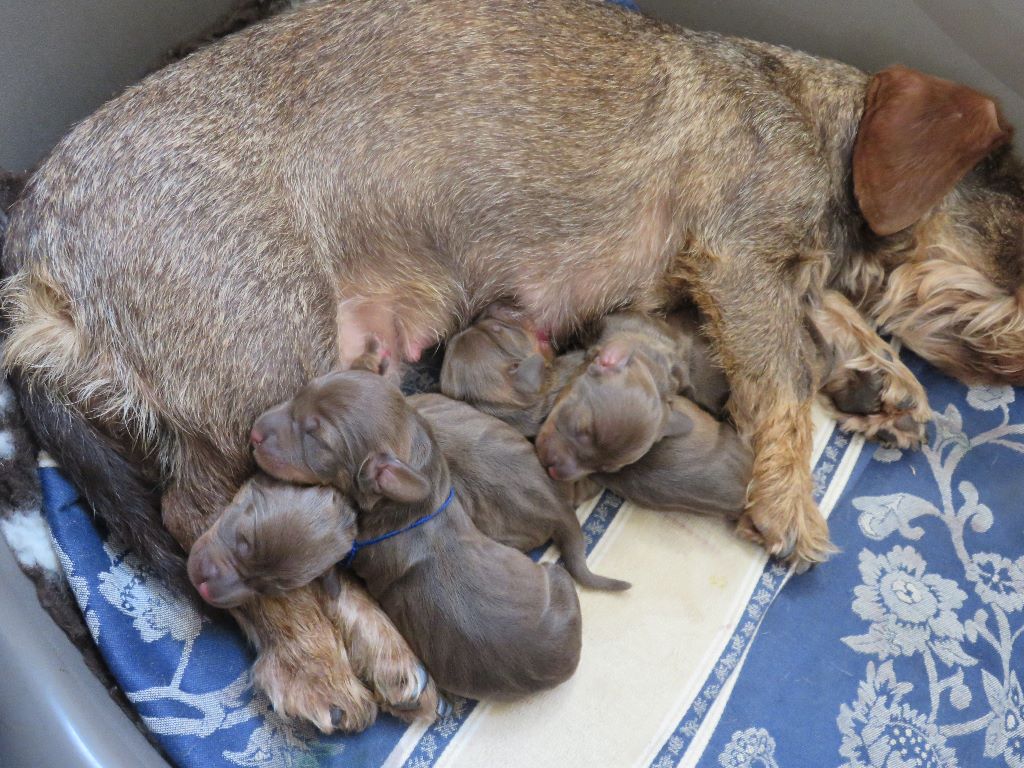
[256,437]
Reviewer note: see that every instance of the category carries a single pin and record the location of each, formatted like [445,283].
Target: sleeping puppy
[503,366]
[272,538]
[618,404]
[700,377]
[704,468]
[506,491]
[484,619]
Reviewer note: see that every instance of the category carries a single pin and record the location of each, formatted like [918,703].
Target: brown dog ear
[919,135]
[528,375]
[385,475]
[677,424]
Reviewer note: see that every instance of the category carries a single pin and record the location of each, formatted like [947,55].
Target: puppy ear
[919,135]
[611,358]
[528,375]
[385,475]
[677,424]
[374,359]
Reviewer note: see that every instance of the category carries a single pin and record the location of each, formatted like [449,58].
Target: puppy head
[499,361]
[606,418]
[322,435]
[935,178]
[272,538]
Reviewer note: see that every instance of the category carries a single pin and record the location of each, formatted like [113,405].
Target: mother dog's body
[218,235]
[185,250]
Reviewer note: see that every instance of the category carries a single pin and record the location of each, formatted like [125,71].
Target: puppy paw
[790,529]
[885,403]
[319,688]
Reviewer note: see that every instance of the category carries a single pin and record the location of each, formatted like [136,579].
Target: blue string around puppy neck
[358,545]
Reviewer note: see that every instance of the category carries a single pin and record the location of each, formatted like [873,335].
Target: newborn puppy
[618,404]
[504,488]
[502,365]
[272,538]
[484,618]
[701,378]
[705,468]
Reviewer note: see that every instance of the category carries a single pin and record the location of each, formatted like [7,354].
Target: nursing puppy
[274,537]
[618,404]
[704,468]
[505,490]
[485,620]
[502,365]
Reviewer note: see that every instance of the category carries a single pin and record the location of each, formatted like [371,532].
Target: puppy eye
[513,368]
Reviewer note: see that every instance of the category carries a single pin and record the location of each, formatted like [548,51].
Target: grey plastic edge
[53,710]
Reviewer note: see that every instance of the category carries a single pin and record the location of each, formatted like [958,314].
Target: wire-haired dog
[213,237]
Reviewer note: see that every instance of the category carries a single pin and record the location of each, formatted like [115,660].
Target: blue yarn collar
[358,545]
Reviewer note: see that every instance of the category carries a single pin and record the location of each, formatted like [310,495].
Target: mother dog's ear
[919,135]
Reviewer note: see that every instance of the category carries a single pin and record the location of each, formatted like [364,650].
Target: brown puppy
[217,235]
[618,404]
[704,468]
[274,537]
[508,495]
[484,619]
[502,366]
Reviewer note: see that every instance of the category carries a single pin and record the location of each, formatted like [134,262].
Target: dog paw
[318,688]
[405,690]
[792,530]
[380,656]
[886,403]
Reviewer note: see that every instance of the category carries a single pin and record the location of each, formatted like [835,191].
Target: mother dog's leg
[301,661]
[756,321]
[874,392]
[379,655]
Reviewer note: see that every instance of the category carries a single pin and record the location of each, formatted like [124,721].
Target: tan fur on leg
[301,665]
[903,408]
[957,319]
[301,660]
[379,654]
[781,514]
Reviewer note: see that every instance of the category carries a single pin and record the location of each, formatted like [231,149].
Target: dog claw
[421,684]
[336,715]
[444,707]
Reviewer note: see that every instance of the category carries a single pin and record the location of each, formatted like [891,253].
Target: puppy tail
[574,556]
[109,483]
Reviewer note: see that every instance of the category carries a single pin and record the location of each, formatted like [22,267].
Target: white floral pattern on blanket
[917,617]
[157,612]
